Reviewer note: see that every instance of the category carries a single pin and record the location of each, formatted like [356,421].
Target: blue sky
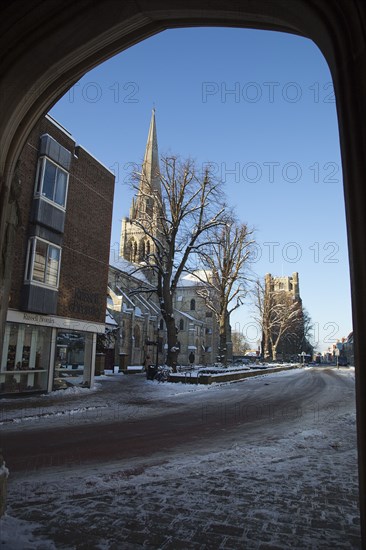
[260,106]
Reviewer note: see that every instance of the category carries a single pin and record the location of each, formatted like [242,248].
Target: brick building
[59,277]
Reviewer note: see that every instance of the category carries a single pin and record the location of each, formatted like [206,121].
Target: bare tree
[177,222]
[308,332]
[279,315]
[239,343]
[225,260]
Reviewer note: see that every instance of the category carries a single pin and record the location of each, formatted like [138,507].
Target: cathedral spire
[146,207]
[150,167]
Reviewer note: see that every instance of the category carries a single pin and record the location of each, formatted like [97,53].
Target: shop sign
[28,318]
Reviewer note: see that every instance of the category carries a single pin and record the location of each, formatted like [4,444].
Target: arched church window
[137,336]
[193,304]
[142,254]
[132,250]
[181,324]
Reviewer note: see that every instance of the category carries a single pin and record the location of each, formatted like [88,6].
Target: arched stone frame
[132,250]
[142,250]
[192,306]
[137,336]
[127,250]
[33,80]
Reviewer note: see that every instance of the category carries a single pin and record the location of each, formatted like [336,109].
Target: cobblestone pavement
[285,494]
[294,489]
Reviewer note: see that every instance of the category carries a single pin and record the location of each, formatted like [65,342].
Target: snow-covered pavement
[285,481]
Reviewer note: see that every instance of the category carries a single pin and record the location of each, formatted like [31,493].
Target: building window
[43,262]
[181,324]
[193,304]
[25,358]
[144,250]
[137,336]
[161,326]
[132,250]
[52,182]
[73,363]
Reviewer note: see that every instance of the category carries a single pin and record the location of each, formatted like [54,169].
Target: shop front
[73,359]
[46,353]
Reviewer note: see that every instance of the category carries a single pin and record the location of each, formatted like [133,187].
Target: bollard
[4,472]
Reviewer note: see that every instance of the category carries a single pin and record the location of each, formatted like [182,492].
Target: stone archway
[47,46]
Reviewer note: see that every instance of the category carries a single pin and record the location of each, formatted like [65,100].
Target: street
[263,463]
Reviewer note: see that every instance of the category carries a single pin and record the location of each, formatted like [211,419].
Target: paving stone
[227,529]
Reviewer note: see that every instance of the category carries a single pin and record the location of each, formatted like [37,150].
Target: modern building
[59,277]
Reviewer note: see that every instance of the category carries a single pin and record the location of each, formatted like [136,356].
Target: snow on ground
[296,489]
[72,405]
[282,488]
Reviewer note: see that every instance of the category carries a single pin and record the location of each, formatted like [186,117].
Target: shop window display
[25,358]
[73,359]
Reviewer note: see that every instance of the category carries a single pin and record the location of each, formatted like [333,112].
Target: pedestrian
[191,358]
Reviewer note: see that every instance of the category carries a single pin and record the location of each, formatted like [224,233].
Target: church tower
[135,244]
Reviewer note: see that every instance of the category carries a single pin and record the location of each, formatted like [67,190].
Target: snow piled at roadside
[73,390]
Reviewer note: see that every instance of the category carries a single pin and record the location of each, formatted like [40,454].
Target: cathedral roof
[189,317]
[130,268]
[197,278]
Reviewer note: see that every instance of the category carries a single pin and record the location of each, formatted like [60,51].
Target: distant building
[348,349]
[280,290]
[342,351]
[59,277]
[197,326]
[288,284]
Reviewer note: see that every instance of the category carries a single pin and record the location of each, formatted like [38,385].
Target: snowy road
[265,463]
[249,411]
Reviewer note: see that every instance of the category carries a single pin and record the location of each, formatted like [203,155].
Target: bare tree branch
[189,206]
